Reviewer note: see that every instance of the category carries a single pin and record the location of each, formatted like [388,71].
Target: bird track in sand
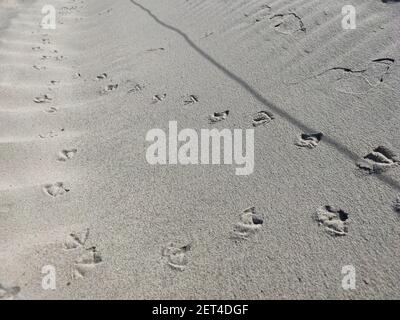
[43,98]
[379,160]
[190,99]
[51,134]
[86,262]
[262,117]
[159,97]
[66,154]
[309,140]
[51,110]
[396,204]
[288,23]
[258,14]
[249,223]
[88,257]
[55,190]
[8,293]
[176,257]
[335,221]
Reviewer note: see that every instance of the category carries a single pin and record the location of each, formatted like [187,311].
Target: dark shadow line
[338,146]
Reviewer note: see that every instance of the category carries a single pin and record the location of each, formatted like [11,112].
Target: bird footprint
[309,140]
[86,263]
[396,205]
[66,154]
[55,190]
[176,256]
[77,239]
[43,99]
[262,117]
[334,220]
[218,116]
[159,98]
[192,99]
[250,222]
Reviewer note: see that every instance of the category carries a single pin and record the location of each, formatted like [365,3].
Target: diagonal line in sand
[338,146]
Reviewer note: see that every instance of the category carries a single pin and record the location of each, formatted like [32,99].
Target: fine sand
[78,199]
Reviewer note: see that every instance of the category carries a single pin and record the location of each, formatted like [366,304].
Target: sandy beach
[84,214]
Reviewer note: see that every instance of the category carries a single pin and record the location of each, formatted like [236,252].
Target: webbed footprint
[218,116]
[8,293]
[379,160]
[39,67]
[335,221]
[396,204]
[176,256]
[288,23]
[51,110]
[309,140]
[250,222]
[159,97]
[76,239]
[86,263]
[66,154]
[109,88]
[55,190]
[191,99]
[101,76]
